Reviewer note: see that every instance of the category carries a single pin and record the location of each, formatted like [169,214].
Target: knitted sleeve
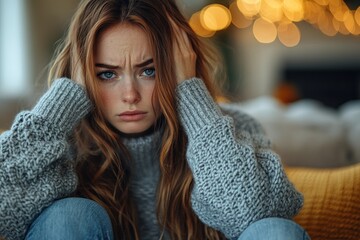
[237,178]
[34,164]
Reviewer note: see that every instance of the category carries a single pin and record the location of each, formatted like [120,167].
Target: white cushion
[304,134]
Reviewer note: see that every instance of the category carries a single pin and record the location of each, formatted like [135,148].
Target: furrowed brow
[145,63]
[108,66]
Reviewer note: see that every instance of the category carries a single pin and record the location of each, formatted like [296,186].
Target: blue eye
[149,72]
[106,75]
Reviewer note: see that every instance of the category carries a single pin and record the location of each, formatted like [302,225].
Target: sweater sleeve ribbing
[35,166]
[238,179]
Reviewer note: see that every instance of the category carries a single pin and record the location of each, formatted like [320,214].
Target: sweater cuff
[64,104]
[196,107]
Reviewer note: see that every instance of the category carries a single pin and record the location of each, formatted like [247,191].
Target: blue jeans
[80,218]
[70,219]
[274,229]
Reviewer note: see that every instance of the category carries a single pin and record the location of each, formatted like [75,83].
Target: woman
[134,146]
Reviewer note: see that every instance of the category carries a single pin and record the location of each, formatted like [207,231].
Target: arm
[35,166]
[238,179]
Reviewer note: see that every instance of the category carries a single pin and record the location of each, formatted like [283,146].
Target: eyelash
[147,76]
[100,75]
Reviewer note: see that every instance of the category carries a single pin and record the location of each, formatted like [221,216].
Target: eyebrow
[145,63]
[108,66]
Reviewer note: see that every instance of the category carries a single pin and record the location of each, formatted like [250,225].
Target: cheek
[154,101]
[106,99]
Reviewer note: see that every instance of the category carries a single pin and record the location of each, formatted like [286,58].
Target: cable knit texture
[238,179]
[35,167]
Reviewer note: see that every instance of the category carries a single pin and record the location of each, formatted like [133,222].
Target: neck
[144,152]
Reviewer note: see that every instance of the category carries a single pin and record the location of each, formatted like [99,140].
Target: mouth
[130,116]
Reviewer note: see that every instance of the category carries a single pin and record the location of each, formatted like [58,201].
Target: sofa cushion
[304,133]
[332,201]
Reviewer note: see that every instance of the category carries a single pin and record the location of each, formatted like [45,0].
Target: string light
[198,28]
[238,18]
[278,18]
[215,17]
[357,16]
[288,34]
[264,30]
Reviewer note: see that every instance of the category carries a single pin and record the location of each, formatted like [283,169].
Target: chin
[136,132]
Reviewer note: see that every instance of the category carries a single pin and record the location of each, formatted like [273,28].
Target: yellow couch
[332,201]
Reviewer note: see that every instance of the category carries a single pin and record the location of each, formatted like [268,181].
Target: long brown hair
[103,161]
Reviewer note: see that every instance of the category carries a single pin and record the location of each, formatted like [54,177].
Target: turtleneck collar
[144,151]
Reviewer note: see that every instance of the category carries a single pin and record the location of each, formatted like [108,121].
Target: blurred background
[274,45]
[291,48]
[276,52]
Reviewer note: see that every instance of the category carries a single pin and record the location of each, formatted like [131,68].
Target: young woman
[128,142]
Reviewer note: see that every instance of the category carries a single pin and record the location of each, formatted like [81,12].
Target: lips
[130,116]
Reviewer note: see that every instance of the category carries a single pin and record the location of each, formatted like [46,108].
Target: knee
[274,228]
[75,217]
[76,211]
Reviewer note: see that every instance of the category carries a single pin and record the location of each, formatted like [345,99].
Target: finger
[181,39]
[77,73]
[184,55]
[185,42]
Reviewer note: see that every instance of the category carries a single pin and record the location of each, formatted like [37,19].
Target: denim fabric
[84,219]
[274,229]
[72,219]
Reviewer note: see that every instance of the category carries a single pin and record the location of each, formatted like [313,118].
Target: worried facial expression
[125,70]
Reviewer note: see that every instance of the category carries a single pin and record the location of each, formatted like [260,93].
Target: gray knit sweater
[238,179]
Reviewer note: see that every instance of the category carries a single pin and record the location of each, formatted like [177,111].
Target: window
[14,65]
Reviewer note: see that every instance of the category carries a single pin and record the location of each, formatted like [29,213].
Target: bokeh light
[249,8]
[289,34]
[238,18]
[294,10]
[326,24]
[357,16]
[349,21]
[272,10]
[196,25]
[215,17]
[322,2]
[272,18]
[264,31]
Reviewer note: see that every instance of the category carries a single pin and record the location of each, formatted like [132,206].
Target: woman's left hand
[184,55]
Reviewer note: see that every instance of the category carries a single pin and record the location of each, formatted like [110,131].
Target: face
[125,71]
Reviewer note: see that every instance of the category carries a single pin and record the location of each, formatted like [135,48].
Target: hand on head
[79,78]
[77,73]
[184,55]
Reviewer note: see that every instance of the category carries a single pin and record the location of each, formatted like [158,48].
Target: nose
[131,93]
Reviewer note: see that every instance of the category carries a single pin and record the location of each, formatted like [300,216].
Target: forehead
[123,40]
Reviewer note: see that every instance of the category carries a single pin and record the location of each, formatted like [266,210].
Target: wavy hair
[103,163]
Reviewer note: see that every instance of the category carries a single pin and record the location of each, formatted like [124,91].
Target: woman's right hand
[184,55]
[77,74]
